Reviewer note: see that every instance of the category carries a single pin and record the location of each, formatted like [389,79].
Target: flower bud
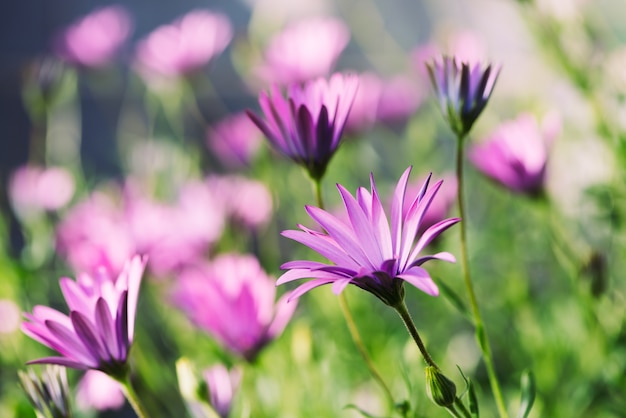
[439,388]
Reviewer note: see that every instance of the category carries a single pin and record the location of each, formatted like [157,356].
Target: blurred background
[116,139]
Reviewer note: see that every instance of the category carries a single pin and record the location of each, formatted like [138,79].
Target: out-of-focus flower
[308,124]
[98,333]
[516,154]
[33,190]
[246,202]
[234,140]
[94,40]
[223,385]
[184,46]
[381,101]
[463,90]
[305,50]
[399,99]
[94,235]
[232,299]
[98,391]
[48,393]
[366,251]
[10,314]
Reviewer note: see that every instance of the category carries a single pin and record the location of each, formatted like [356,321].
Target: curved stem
[481,333]
[354,331]
[402,310]
[132,397]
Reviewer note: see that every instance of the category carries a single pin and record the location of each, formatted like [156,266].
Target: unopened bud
[439,388]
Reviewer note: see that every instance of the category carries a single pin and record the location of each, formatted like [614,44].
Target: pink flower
[222,384]
[440,207]
[10,314]
[366,251]
[307,125]
[234,140]
[304,50]
[184,46]
[98,333]
[232,299]
[94,40]
[94,235]
[35,189]
[516,154]
[246,202]
[98,391]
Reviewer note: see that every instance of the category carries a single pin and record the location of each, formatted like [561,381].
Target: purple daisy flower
[365,250]
[463,89]
[308,124]
[98,332]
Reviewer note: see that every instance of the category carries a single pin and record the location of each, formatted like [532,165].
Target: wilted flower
[304,50]
[184,46]
[48,393]
[98,391]
[234,140]
[515,155]
[463,90]
[232,298]
[35,189]
[94,40]
[366,251]
[307,125]
[222,384]
[98,333]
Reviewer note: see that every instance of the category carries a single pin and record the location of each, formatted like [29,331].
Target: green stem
[132,397]
[354,331]
[461,406]
[402,310]
[481,333]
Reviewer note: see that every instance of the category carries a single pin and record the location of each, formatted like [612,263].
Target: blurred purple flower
[94,235]
[95,39]
[34,189]
[305,50]
[307,125]
[399,99]
[515,155]
[48,392]
[183,46]
[365,251]
[364,108]
[232,299]
[463,90]
[98,391]
[246,202]
[234,140]
[98,333]
[223,385]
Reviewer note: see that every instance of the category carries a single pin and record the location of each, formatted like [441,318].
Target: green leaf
[453,298]
[473,400]
[528,390]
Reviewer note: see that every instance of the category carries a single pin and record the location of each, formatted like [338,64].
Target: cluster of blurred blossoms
[304,114]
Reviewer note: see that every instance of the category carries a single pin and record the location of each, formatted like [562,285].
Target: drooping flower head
[463,90]
[516,154]
[98,333]
[48,393]
[367,251]
[305,50]
[233,299]
[94,40]
[308,124]
[183,46]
